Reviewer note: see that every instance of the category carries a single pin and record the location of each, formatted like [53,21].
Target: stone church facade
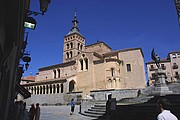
[88,70]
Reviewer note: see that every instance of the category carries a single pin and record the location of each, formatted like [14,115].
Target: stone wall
[118,94]
[59,98]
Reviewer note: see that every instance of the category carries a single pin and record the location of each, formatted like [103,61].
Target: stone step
[95,112]
[98,110]
[91,115]
[100,106]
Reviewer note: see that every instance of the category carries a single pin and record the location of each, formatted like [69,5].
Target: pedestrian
[163,106]
[72,106]
[32,112]
[37,114]
[108,105]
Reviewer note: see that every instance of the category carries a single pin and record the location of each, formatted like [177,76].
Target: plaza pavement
[60,113]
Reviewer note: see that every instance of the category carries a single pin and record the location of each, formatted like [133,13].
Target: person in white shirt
[163,106]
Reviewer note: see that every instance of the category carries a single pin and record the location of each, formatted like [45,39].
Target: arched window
[40,89]
[37,89]
[81,47]
[58,73]
[67,55]
[54,88]
[78,46]
[86,63]
[112,71]
[54,74]
[81,63]
[70,54]
[47,89]
[34,90]
[44,89]
[71,44]
[50,89]
[71,86]
[67,46]
[62,88]
[57,88]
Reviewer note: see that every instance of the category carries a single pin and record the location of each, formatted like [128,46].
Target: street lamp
[30,23]
[44,5]
[177,4]
[43,8]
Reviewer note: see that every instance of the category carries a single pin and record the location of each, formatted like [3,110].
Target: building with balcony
[169,65]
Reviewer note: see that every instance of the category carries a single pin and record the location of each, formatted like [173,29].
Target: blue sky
[119,23]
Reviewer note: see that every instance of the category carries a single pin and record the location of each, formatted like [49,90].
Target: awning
[25,93]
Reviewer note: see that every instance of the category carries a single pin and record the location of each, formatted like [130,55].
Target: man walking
[163,106]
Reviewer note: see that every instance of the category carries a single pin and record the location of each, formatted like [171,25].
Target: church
[94,70]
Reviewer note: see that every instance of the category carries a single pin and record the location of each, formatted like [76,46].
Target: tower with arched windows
[74,42]
[88,70]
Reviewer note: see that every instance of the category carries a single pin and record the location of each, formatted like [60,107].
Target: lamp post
[177,4]
[44,5]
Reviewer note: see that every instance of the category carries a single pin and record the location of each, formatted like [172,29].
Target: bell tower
[74,42]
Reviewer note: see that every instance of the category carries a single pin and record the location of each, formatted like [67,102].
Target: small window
[162,65]
[152,66]
[178,55]
[71,44]
[67,46]
[112,72]
[128,67]
[174,56]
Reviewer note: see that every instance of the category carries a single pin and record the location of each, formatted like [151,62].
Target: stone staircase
[147,110]
[97,110]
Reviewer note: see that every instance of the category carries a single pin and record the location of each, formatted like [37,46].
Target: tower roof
[74,28]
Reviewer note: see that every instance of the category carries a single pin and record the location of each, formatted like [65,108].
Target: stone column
[161,88]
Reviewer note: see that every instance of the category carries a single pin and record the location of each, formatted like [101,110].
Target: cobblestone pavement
[60,113]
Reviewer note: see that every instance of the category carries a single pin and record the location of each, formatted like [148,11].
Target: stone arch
[32,92]
[37,89]
[70,54]
[54,71]
[78,46]
[72,86]
[54,88]
[57,88]
[44,89]
[58,73]
[112,71]
[62,88]
[40,89]
[67,55]
[71,44]
[67,46]
[47,89]
[50,89]
[81,47]
[81,64]
[86,63]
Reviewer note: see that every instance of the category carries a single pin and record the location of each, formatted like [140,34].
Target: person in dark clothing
[32,112]
[72,106]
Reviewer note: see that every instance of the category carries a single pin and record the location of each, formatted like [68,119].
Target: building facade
[88,68]
[169,65]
